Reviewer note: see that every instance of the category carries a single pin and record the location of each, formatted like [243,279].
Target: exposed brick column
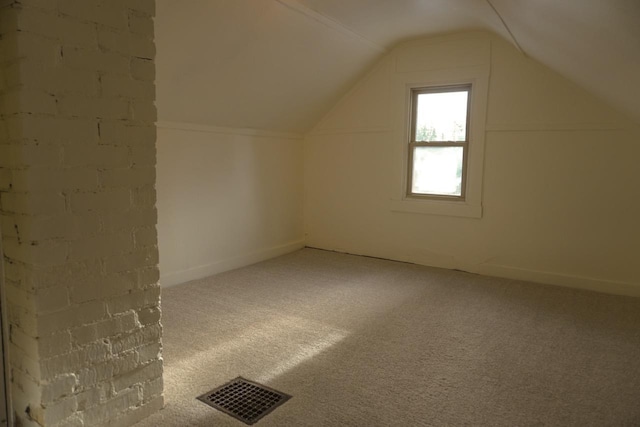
[77,204]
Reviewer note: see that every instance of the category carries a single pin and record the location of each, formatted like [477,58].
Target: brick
[74,360]
[114,41]
[54,344]
[144,111]
[30,154]
[24,362]
[57,80]
[115,221]
[40,4]
[33,101]
[142,47]
[51,299]
[47,178]
[139,338]
[149,315]
[91,376]
[95,156]
[145,373]
[121,86]
[37,20]
[152,389]
[131,261]
[143,69]
[75,420]
[141,23]
[60,387]
[47,50]
[143,155]
[128,177]
[147,7]
[20,295]
[89,398]
[6,179]
[90,107]
[74,316]
[40,277]
[33,203]
[21,318]
[141,135]
[77,156]
[101,12]
[8,19]
[9,80]
[123,401]
[136,300]
[100,246]
[20,298]
[46,253]
[84,334]
[56,412]
[148,277]
[24,382]
[112,132]
[101,201]
[12,271]
[56,227]
[76,58]
[145,237]
[140,412]
[22,398]
[143,197]
[25,342]
[53,131]
[117,325]
[98,288]
[149,352]
[75,33]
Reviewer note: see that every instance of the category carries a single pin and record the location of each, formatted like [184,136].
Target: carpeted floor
[366,342]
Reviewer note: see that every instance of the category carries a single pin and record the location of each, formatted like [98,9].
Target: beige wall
[226,198]
[560,194]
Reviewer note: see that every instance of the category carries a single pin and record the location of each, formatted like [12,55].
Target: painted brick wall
[77,205]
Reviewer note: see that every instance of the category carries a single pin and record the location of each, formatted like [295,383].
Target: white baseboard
[605,286]
[549,278]
[178,277]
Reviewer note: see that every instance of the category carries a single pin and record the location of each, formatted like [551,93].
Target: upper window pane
[442,116]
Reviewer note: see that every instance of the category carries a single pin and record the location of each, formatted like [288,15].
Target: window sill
[437,207]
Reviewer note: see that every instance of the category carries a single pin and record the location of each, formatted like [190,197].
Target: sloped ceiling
[282,64]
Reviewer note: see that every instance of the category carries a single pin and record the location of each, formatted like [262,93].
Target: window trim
[478,77]
[413,108]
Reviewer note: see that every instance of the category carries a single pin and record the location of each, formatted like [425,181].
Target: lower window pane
[437,171]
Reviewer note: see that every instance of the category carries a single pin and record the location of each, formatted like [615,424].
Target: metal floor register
[244,400]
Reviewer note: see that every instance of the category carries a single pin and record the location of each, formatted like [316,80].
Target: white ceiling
[282,64]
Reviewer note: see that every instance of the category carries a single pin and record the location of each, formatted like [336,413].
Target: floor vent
[244,400]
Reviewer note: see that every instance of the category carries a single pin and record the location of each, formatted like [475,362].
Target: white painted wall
[226,198]
[560,189]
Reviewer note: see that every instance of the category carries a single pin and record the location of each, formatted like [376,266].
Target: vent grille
[244,400]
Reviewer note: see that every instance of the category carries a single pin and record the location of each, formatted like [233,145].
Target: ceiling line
[513,38]
[330,23]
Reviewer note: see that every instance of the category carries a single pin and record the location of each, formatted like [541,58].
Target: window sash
[413,144]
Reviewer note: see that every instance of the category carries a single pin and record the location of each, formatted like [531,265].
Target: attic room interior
[387,213]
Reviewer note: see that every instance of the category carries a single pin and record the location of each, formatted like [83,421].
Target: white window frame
[413,144]
[471,205]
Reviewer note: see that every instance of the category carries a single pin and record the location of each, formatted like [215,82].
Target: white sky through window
[442,116]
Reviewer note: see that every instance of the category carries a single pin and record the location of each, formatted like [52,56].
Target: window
[439,142]
[438,164]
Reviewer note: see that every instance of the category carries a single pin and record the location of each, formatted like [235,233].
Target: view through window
[438,144]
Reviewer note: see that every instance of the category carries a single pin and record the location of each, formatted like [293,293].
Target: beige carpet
[366,342]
